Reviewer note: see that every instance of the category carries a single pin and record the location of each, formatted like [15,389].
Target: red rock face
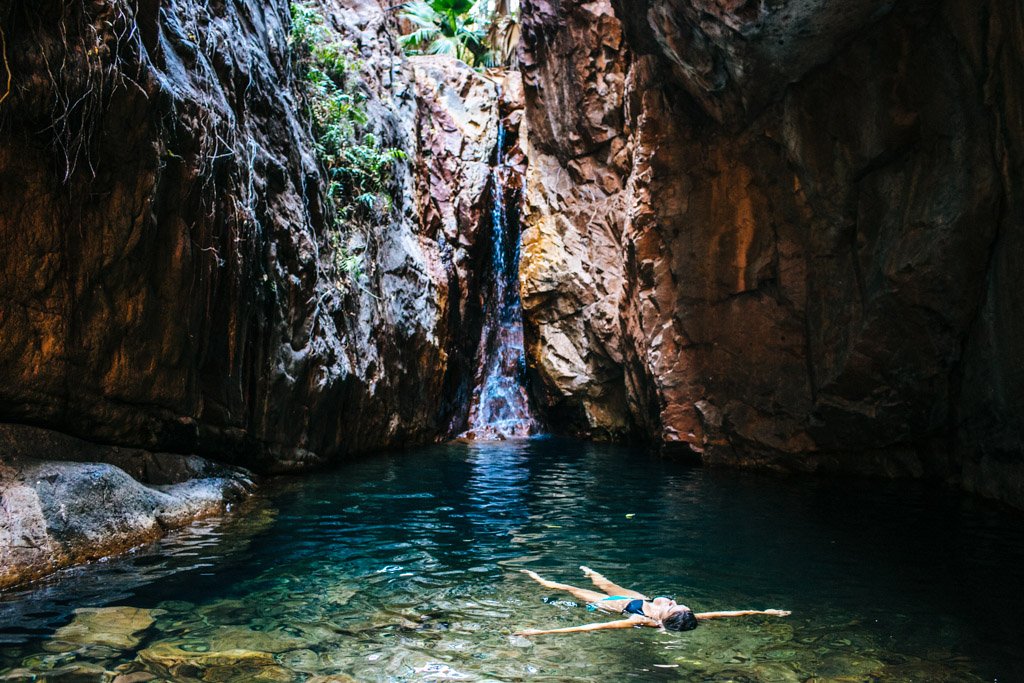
[580,152]
[820,210]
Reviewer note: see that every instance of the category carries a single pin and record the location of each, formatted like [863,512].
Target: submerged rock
[83,672]
[135,677]
[215,665]
[116,627]
[230,638]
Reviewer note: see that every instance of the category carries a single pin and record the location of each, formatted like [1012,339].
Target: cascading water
[500,407]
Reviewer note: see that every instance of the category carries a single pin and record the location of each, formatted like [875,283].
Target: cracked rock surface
[782,234]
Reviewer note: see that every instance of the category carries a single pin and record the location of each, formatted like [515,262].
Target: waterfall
[500,407]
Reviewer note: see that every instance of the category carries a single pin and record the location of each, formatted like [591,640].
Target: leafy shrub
[359,168]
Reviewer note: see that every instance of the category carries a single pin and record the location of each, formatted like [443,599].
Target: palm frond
[421,14]
[419,38]
[443,45]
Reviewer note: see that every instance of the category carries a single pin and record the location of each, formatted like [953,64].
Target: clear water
[404,567]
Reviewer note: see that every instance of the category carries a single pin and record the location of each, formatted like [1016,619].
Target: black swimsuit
[634,607]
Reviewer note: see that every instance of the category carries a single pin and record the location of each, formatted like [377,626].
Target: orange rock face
[780,234]
[571,271]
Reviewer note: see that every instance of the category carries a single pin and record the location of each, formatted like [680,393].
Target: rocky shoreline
[84,502]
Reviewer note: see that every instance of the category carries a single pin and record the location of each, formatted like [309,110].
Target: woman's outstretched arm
[742,613]
[622,623]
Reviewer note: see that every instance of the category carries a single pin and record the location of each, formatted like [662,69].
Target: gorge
[766,234]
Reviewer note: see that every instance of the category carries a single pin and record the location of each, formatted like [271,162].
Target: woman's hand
[778,612]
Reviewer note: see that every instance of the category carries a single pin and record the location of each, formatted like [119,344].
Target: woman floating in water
[638,609]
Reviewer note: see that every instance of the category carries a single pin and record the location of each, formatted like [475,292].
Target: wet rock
[77,673]
[340,594]
[116,627]
[302,660]
[155,469]
[55,514]
[214,665]
[230,638]
[775,673]
[851,665]
[136,677]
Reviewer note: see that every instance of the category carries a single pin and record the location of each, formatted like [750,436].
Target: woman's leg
[581,593]
[608,587]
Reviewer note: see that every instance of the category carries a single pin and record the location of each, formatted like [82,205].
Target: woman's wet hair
[680,620]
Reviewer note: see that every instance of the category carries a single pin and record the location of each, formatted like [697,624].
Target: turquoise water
[404,567]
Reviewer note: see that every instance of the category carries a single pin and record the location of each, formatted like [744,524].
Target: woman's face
[663,607]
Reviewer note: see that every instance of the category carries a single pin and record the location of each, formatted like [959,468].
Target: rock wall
[807,214]
[456,138]
[577,140]
[165,282]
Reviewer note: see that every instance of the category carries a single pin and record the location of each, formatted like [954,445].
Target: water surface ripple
[404,567]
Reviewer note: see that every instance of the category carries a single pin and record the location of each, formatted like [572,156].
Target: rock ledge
[57,512]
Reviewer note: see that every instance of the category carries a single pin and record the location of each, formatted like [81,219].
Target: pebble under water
[404,567]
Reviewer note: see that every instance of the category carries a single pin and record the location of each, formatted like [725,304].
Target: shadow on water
[405,567]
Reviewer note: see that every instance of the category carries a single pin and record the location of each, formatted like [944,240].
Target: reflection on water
[405,568]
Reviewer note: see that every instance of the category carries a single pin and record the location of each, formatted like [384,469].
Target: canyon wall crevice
[816,214]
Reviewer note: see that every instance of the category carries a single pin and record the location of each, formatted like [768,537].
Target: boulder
[56,514]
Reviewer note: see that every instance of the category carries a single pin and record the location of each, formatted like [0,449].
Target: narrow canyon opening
[500,404]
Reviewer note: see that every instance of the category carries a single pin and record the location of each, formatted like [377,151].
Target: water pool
[404,567]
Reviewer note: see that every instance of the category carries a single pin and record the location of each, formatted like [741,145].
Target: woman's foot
[587,571]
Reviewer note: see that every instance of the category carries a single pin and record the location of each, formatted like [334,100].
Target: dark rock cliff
[802,221]
[164,282]
[170,281]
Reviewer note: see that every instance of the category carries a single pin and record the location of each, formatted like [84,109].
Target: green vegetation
[359,168]
[482,33]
